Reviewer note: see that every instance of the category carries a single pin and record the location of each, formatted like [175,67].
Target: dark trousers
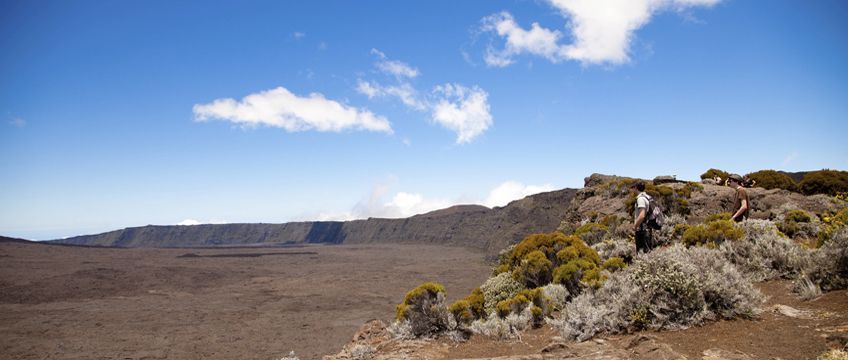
[644,242]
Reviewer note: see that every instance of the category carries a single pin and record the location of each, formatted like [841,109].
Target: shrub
[830,182]
[672,201]
[535,300]
[764,253]
[591,233]
[831,224]
[557,294]
[711,173]
[425,310]
[770,179]
[618,247]
[614,264]
[719,216]
[797,215]
[541,258]
[711,233]
[670,289]
[497,289]
[503,328]
[671,230]
[829,266]
[833,354]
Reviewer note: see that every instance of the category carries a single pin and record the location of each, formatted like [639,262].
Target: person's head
[734,180]
[639,186]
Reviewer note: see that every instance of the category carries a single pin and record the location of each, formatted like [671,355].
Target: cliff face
[464,225]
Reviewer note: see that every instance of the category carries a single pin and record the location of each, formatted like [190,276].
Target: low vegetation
[592,281]
[670,289]
[771,179]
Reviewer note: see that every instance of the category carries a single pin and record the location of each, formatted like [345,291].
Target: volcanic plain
[71,302]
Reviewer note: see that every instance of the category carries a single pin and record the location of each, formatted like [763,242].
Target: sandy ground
[62,302]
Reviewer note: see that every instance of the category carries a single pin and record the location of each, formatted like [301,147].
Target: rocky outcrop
[465,225]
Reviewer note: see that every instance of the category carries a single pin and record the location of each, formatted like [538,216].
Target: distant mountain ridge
[463,225]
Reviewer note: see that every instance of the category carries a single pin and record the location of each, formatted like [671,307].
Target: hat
[735,177]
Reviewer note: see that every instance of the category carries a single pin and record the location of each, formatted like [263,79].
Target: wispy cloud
[297,35]
[394,67]
[404,92]
[281,108]
[463,110]
[18,122]
[790,158]
[602,30]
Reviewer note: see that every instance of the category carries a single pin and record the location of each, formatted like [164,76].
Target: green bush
[770,179]
[719,216]
[712,233]
[614,264]
[540,305]
[425,310]
[830,182]
[554,257]
[471,308]
[800,216]
[591,233]
[711,173]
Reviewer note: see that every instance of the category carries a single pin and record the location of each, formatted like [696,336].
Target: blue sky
[127,113]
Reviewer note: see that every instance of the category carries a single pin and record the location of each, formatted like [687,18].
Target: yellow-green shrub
[770,179]
[541,258]
[719,216]
[591,233]
[711,173]
[713,233]
[424,309]
[830,182]
[799,216]
[470,308]
[427,290]
[614,264]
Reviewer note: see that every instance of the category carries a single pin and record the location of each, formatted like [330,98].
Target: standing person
[741,204]
[644,242]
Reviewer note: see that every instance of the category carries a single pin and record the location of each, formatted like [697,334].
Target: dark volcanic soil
[63,302]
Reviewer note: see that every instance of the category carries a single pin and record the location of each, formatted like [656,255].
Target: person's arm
[742,208]
[639,219]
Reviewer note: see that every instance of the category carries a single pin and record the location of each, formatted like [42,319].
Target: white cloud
[190,222]
[602,30]
[381,203]
[297,35]
[404,92]
[511,190]
[280,108]
[462,110]
[394,67]
[18,122]
[537,41]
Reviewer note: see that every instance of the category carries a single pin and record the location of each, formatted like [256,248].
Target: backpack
[654,217]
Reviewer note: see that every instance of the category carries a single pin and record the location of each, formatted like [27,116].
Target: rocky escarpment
[464,225]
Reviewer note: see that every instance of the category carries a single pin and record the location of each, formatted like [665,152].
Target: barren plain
[68,302]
